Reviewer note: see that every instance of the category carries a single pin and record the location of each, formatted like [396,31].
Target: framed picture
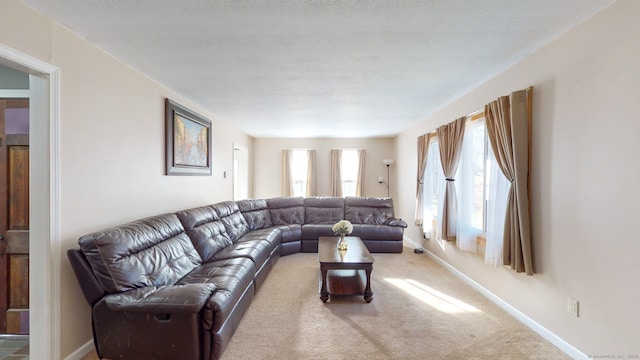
[188,141]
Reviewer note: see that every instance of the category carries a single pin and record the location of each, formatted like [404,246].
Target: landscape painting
[188,148]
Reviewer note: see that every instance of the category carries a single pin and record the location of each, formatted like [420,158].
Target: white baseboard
[81,352]
[529,322]
[409,242]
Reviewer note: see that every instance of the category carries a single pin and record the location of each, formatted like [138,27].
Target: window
[481,191]
[299,167]
[479,147]
[347,167]
[349,172]
[471,186]
[433,189]
[482,194]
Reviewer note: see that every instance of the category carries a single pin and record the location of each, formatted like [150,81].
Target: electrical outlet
[573,307]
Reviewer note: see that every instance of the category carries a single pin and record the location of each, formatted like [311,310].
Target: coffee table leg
[368,294]
[324,293]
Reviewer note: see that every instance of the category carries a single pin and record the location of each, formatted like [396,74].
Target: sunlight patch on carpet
[434,298]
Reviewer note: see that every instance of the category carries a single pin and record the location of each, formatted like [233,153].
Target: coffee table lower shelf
[345,282]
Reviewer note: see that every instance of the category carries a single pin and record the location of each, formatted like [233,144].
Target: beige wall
[267,155]
[585,175]
[112,147]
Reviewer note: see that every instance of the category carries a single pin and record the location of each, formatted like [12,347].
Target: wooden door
[14,216]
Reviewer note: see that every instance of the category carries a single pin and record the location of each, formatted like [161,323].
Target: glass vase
[342,245]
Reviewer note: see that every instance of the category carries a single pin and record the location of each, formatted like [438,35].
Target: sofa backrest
[256,213]
[366,210]
[154,251]
[286,210]
[323,210]
[206,231]
[231,217]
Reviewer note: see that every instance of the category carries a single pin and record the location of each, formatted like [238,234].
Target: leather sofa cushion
[206,231]
[323,210]
[256,213]
[363,210]
[219,272]
[172,299]
[231,217]
[289,233]
[209,238]
[271,236]
[256,250]
[192,218]
[377,232]
[231,277]
[154,251]
[286,210]
[396,222]
[315,231]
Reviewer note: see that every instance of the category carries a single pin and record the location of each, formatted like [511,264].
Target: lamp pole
[388,162]
[388,179]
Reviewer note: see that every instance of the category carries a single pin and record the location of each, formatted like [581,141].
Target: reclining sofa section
[175,286]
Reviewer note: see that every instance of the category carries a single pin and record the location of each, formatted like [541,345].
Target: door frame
[44,201]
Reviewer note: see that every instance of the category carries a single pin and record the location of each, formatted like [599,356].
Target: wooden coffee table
[341,271]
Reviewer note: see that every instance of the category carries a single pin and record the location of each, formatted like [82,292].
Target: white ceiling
[323,68]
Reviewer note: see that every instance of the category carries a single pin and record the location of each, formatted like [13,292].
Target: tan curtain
[336,177]
[360,181]
[507,121]
[312,186]
[423,151]
[450,144]
[287,179]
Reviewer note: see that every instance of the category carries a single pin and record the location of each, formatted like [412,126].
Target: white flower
[342,227]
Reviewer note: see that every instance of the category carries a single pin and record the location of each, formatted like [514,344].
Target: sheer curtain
[312,187]
[287,173]
[498,191]
[450,138]
[423,151]
[467,233]
[336,176]
[433,193]
[508,127]
[360,181]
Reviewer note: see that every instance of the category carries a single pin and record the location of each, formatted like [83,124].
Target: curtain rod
[480,112]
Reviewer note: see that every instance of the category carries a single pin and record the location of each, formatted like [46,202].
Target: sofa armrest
[88,283]
[396,222]
[173,299]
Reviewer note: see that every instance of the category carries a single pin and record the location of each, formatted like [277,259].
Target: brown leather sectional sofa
[175,286]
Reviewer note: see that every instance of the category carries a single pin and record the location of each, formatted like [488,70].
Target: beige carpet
[419,311]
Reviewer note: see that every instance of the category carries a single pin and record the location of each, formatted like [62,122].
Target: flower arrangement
[342,228]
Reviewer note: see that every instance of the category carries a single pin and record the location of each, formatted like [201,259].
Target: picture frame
[188,141]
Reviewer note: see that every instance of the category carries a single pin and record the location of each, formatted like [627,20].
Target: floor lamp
[388,163]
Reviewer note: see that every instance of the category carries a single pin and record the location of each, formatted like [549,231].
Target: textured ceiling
[285,68]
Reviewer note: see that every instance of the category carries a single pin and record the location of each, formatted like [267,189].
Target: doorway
[240,172]
[43,203]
